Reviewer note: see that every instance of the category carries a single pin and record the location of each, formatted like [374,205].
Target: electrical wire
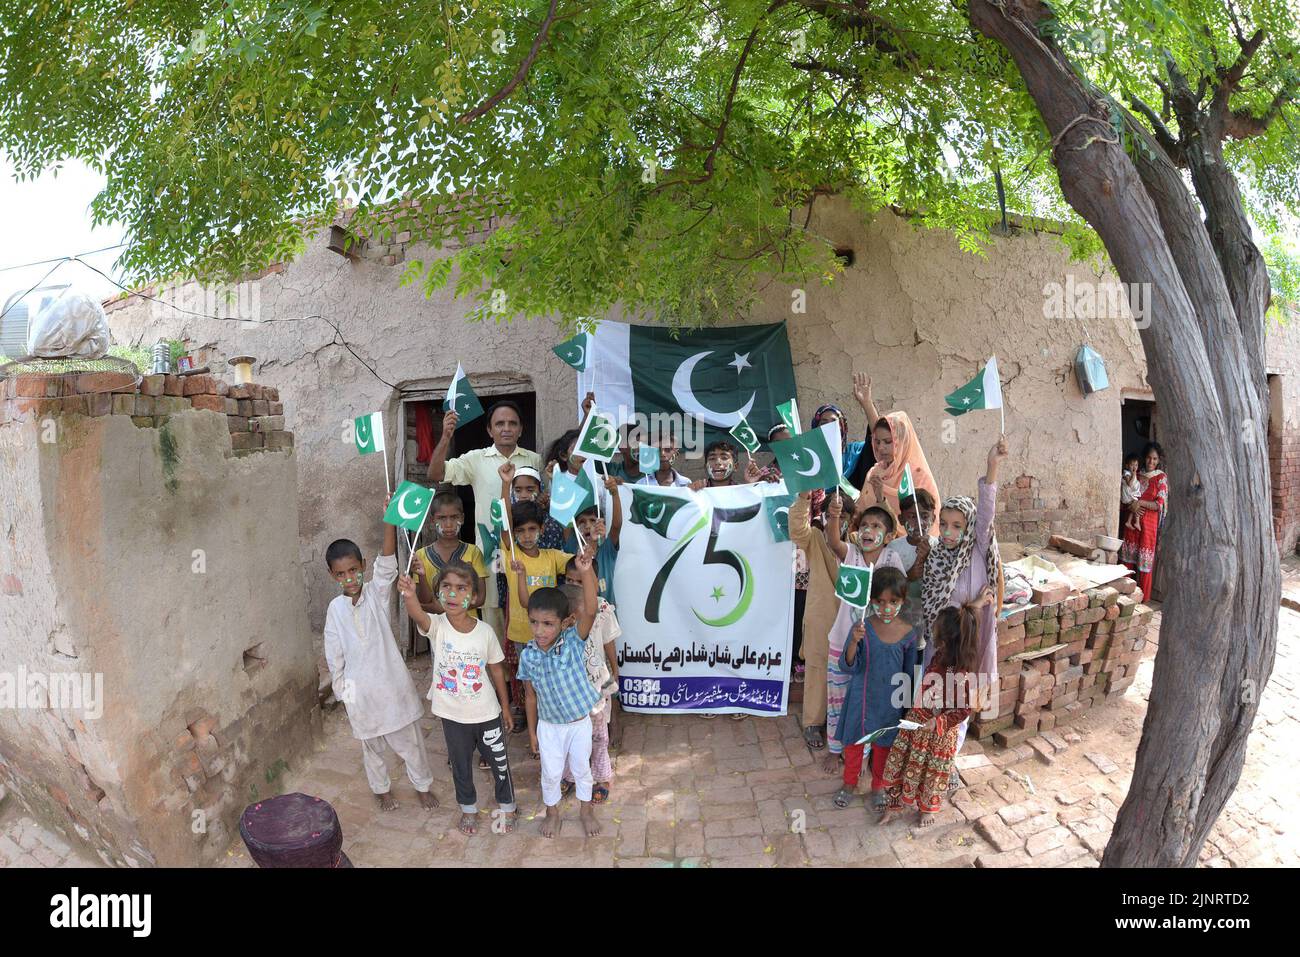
[40,282]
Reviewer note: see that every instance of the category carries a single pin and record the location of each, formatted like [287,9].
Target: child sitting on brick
[602,669]
[560,696]
[468,691]
[367,670]
[920,762]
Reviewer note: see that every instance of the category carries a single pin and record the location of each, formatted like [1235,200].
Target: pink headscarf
[907,451]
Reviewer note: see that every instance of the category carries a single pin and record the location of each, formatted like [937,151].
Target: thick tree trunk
[1219,624]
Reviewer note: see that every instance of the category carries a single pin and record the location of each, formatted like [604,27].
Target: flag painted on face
[853,585]
[655,510]
[743,434]
[982,392]
[719,376]
[811,460]
[647,459]
[461,399]
[598,438]
[575,352]
[568,498]
[368,432]
[408,506]
[789,414]
[778,515]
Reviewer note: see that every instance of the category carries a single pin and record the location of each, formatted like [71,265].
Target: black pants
[800,601]
[489,740]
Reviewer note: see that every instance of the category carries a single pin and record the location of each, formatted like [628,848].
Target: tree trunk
[1205,359]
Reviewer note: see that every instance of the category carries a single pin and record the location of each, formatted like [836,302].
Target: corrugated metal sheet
[13,331]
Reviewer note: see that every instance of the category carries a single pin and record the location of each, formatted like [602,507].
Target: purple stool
[293,830]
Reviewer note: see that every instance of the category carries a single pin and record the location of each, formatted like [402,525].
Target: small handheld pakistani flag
[461,398]
[777,508]
[743,434]
[568,498]
[811,460]
[489,542]
[368,434]
[647,459]
[576,351]
[853,585]
[598,438]
[874,736]
[500,513]
[907,489]
[789,413]
[407,509]
[982,392]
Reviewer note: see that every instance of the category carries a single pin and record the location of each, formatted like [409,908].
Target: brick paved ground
[691,792]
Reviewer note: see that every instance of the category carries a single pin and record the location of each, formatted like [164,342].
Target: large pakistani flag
[719,375]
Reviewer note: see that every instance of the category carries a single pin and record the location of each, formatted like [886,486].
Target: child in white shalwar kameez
[369,675]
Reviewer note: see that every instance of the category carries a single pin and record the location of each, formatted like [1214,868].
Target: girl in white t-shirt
[468,691]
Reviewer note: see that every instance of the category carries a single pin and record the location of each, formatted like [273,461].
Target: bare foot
[831,764]
[588,818]
[888,815]
[427,800]
[386,801]
[551,823]
[468,824]
[927,818]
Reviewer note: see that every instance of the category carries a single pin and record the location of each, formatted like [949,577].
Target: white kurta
[369,675]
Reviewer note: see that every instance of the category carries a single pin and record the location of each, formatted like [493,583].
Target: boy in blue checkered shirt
[559,695]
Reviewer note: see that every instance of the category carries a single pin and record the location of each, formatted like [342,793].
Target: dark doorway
[1138,424]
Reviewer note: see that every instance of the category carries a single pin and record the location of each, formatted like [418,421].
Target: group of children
[555,674]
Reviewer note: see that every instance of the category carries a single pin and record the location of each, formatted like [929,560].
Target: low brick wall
[253,412]
[1058,660]
[1028,514]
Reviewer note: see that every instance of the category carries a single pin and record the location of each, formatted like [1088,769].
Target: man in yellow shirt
[479,469]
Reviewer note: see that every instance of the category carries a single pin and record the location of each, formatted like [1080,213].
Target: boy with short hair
[369,675]
[560,696]
[533,567]
[602,670]
[447,515]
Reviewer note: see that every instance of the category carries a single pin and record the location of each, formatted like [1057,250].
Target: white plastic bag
[71,327]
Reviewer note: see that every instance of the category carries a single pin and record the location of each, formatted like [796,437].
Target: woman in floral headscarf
[894,442]
[965,569]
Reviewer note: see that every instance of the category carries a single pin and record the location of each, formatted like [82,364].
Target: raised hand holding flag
[743,434]
[598,438]
[368,434]
[853,585]
[461,398]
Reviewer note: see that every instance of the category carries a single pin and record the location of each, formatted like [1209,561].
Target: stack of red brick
[1026,514]
[253,412]
[1057,660]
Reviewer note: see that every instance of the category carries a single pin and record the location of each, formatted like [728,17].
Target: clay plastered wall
[155,557]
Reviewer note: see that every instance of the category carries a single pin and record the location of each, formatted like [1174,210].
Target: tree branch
[1161,132]
[1242,124]
[490,103]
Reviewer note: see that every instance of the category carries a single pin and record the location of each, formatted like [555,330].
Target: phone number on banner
[702,693]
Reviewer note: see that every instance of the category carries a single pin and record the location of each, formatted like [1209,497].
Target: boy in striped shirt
[559,695]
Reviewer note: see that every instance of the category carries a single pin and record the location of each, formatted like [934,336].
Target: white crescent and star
[581,353]
[740,362]
[655,512]
[816,466]
[857,586]
[401,505]
[686,400]
[566,503]
[363,430]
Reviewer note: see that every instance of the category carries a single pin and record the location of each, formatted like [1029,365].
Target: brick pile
[1060,659]
[253,412]
[1028,515]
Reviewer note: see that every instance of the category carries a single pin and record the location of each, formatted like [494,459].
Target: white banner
[705,599]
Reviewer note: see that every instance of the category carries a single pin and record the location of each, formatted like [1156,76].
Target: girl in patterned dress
[920,761]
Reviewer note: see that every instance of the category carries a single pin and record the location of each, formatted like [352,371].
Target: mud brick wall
[1029,514]
[150,542]
[1284,468]
[1058,660]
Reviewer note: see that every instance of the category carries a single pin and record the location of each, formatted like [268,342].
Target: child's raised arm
[835,509]
[390,535]
[521,582]
[406,587]
[590,592]
[615,510]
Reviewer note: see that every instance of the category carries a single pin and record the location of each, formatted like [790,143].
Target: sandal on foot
[483,765]
[812,737]
[879,801]
[599,794]
[842,797]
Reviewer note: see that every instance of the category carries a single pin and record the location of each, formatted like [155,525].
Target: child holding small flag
[920,764]
[368,672]
[448,514]
[533,567]
[878,651]
[899,457]
[665,474]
